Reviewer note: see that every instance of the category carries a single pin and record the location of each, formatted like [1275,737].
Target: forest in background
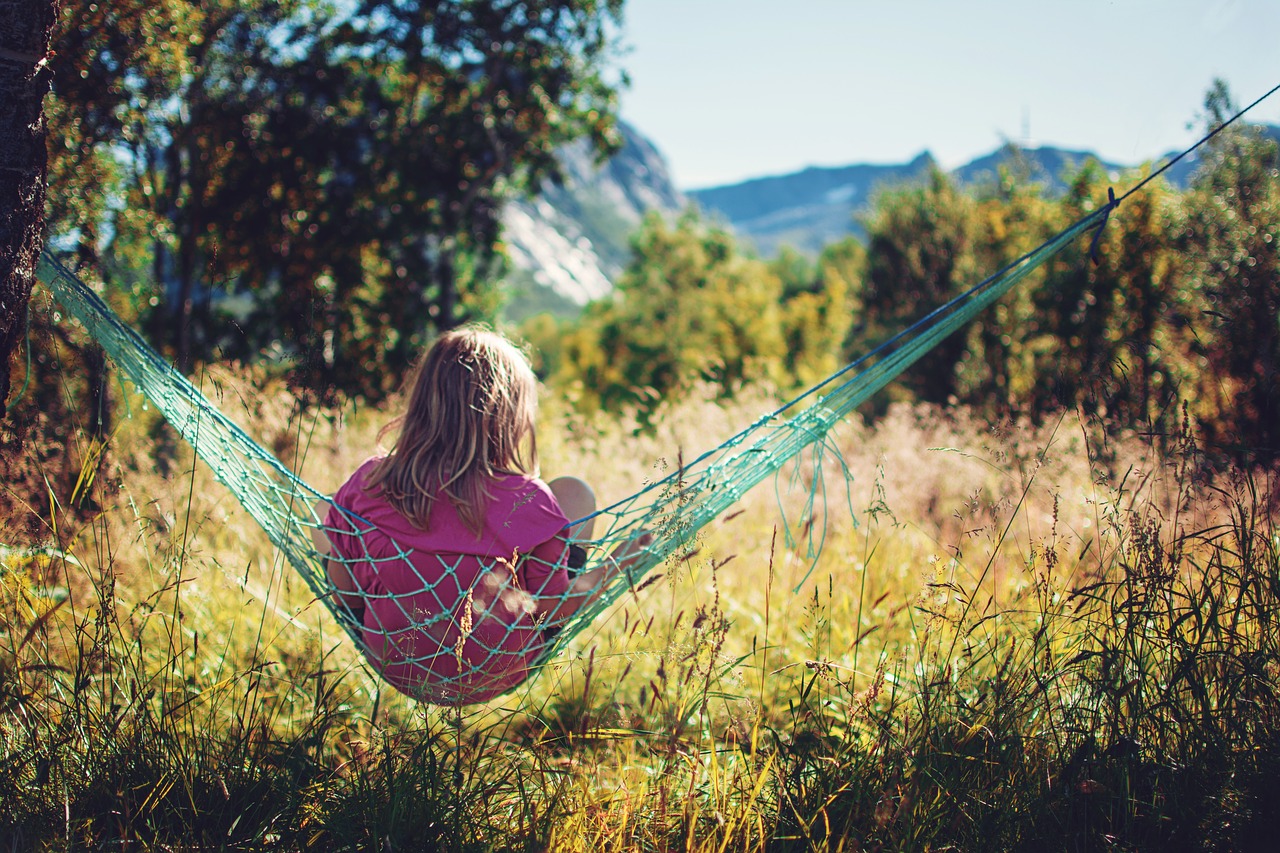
[1177,302]
[314,189]
[312,182]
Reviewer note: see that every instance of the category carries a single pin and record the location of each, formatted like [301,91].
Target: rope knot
[1111,205]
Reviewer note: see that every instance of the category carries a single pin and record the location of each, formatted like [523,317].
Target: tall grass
[1028,640]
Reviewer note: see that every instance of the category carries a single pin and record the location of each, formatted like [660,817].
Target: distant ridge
[1045,165]
[811,208]
[1180,173]
[806,209]
[568,245]
[815,206]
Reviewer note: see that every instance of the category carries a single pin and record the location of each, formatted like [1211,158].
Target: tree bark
[25,29]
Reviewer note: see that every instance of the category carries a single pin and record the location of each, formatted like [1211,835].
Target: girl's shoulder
[521,484]
[525,508]
[519,492]
[355,484]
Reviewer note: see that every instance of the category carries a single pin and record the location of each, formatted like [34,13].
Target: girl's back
[451,611]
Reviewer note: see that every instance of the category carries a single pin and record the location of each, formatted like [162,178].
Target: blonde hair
[470,412]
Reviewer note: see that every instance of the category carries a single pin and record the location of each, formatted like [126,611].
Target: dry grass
[1015,636]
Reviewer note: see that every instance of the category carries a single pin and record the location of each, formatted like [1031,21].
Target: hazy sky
[731,89]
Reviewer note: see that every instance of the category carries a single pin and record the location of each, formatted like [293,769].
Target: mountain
[805,209]
[1180,173]
[569,243]
[817,206]
[1045,166]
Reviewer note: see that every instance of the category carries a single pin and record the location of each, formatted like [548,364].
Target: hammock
[451,645]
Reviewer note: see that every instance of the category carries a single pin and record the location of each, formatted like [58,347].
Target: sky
[736,89]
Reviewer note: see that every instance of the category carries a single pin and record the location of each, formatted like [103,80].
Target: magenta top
[449,615]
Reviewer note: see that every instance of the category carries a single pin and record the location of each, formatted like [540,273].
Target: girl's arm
[588,586]
[346,591]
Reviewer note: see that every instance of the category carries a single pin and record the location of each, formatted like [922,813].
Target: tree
[689,308]
[1125,319]
[325,180]
[1000,368]
[114,64]
[819,304]
[1233,224]
[25,29]
[919,255]
[404,129]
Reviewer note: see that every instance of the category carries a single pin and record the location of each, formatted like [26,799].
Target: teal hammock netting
[451,641]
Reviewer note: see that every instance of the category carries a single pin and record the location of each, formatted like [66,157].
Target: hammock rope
[472,650]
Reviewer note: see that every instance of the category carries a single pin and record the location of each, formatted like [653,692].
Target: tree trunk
[25,29]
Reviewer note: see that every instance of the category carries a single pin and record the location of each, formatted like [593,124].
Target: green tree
[1128,334]
[920,253]
[1110,336]
[689,308]
[404,129]
[1233,224]
[114,64]
[1006,350]
[339,169]
[819,303]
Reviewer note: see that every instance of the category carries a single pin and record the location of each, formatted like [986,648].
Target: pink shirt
[449,614]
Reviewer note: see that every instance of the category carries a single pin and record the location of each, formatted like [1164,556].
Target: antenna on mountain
[1026,127]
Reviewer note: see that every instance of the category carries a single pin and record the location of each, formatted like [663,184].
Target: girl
[449,554]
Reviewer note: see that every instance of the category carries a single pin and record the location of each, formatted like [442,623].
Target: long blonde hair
[469,420]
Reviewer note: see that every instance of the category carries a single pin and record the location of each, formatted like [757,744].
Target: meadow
[1053,633]
[1016,636]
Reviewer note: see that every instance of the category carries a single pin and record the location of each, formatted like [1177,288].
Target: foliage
[1175,301]
[920,254]
[818,308]
[328,177]
[693,309]
[1114,716]
[1233,224]
[320,186]
[1123,314]
[689,308]
[54,444]
[1008,351]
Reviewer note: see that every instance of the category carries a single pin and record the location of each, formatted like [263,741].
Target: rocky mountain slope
[567,245]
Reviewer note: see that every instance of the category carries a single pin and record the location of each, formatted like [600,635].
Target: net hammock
[463,630]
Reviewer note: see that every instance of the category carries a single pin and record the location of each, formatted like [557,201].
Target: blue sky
[732,89]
